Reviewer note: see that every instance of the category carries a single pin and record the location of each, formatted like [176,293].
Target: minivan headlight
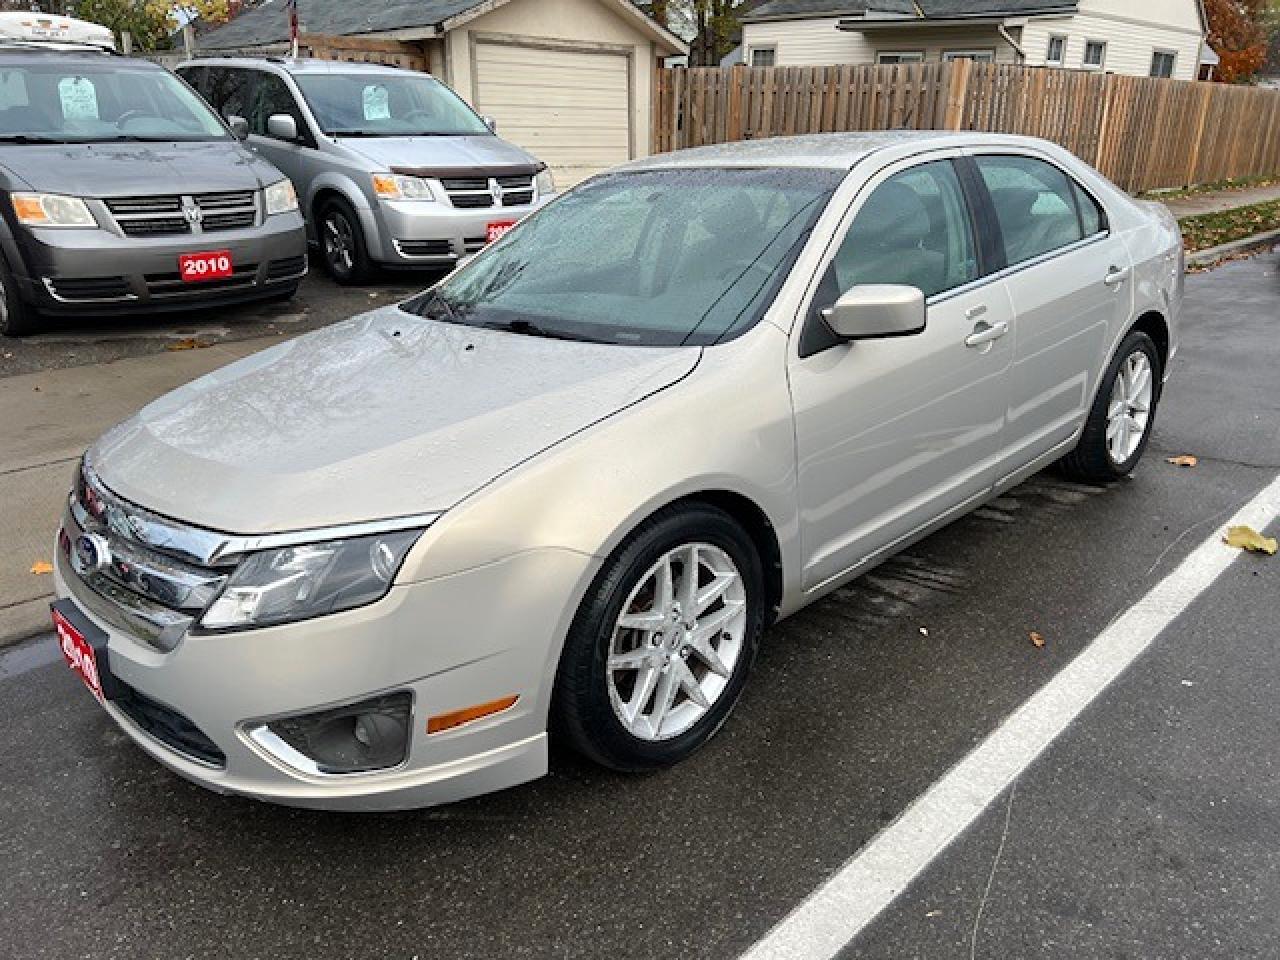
[546,183]
[394,186]
[51,210]
[295,583]
[281,197]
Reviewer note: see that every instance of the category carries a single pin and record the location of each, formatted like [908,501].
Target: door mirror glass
[282,127]
[874,310]
[491,123]
[239,127]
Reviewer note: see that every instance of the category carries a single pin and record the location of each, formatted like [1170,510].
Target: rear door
[1069,280]
[893,434]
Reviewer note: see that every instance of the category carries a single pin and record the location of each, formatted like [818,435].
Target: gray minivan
[121,191]
[392,166]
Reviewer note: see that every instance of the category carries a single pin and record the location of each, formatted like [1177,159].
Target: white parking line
[847,903]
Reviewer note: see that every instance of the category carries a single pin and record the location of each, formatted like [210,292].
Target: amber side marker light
[447,721]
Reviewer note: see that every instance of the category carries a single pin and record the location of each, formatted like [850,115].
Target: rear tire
[1123,414]
[688,652]
[342,247]
[17,317]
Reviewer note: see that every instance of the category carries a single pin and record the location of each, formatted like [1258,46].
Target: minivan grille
[470,193]
[89,288]
[172,284]
[198,213]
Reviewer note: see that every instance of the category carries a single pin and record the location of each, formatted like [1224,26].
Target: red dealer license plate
[498,229]
[213,265]
[79,654]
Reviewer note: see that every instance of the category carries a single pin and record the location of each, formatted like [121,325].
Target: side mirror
[871,311]
[491,123]
[282,127]
[239,127]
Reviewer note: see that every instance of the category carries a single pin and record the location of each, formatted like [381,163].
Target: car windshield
[387,105]
[686,256]
[74,101]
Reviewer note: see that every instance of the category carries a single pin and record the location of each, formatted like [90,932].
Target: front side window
[1034,205]
[763,56]
[1057,52]
[914,230]
[229,91]
[93,102]
[655,257]
[387,105]
[1162,63]
[273,97]
[1095,54]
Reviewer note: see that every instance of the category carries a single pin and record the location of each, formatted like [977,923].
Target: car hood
[130,169]
[438,153]
[384,415]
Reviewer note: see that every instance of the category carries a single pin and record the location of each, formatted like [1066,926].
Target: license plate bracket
[84,648]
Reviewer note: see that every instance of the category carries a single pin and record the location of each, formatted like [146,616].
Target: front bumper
[428,233]
[469,638]
[100,272]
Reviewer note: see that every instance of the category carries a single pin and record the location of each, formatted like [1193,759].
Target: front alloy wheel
[663,642]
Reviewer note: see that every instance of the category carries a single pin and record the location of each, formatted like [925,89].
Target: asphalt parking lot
[1151,828]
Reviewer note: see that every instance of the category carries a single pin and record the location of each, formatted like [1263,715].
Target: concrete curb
[1258,241]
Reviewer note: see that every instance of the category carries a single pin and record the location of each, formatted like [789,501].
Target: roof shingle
[932,9]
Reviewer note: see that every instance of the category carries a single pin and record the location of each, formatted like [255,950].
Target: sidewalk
[49,418]
[1215,202]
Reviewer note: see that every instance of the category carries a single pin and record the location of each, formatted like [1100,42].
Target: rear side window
[914,229]
[1034,204]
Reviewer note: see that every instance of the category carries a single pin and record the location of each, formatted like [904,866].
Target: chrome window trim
[1043,258]
[211,548]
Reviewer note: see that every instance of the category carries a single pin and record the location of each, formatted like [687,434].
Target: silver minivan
[391,166]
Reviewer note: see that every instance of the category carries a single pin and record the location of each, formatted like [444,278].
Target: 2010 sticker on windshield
[79,98]
[377,103]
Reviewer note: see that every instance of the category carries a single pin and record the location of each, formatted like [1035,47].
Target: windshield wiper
[29,138]
[530,329]
[450,313]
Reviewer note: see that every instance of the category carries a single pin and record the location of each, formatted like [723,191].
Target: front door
[892,434]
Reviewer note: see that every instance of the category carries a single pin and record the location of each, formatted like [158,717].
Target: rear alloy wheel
[1119,425]
[663,643]
[342,243]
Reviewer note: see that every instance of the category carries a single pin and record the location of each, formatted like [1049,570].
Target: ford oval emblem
[90,554]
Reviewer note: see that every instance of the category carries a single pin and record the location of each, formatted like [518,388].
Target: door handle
[1116,276]
[985,333]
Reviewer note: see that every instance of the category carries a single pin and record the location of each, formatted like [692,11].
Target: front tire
[342,246]
[663,642]
[17,317]
[1123,414]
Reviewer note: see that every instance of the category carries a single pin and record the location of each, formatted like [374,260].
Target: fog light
[358,738]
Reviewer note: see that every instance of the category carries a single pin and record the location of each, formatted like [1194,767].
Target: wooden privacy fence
[1143,133]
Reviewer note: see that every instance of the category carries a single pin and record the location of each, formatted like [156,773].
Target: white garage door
[569,108]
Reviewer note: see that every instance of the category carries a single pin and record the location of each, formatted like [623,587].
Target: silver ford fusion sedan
[565,492]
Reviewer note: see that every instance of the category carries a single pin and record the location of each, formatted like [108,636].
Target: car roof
[15,50]
[295,65]
[838,151]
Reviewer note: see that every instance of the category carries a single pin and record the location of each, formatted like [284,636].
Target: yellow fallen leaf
[41,567]
[1247,538]
[1037,641]
[1184,460]
[189,343]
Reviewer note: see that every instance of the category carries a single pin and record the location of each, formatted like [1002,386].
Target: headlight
[393,186]
[546,183]
[295,583]
[51,210]
[281,197]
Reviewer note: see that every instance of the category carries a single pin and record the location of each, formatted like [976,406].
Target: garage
[566,104]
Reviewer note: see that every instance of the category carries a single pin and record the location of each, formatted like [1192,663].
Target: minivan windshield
[387,105]
[656,257]
[71,100]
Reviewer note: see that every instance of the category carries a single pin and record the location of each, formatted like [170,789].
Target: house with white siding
[1156,38]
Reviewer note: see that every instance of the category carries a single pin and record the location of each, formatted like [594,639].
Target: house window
[763,56]
[1163,62]
[1056,55]
[978,56]
[900,56]
[1095,54]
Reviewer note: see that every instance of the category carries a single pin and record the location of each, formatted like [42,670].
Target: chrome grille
[185,213]
[153,583]
[470,193]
